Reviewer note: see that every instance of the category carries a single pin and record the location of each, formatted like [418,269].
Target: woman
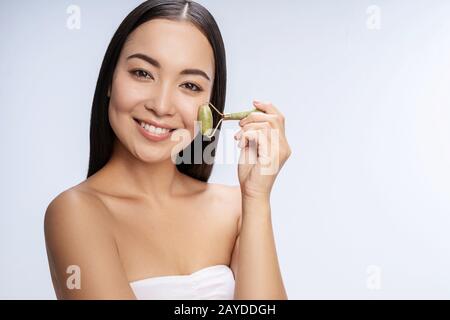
[141,226]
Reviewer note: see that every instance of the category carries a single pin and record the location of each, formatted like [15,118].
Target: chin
[151,154]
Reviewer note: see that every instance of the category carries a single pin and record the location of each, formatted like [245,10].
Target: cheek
[125,95]
[188,113]
[124,98]
[187,108]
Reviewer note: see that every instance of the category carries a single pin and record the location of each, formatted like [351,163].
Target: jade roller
[205,116]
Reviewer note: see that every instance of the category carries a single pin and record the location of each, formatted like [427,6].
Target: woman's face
[165,71]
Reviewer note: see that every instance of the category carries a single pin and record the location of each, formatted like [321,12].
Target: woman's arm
[258,273]
[264,151]
[82,253]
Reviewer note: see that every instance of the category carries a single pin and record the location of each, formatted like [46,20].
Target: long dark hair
[101,134]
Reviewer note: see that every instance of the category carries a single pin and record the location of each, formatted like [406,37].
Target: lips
[152,123]
[152,134]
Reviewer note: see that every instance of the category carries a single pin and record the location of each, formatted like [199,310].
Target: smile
[152,132]
[155,130]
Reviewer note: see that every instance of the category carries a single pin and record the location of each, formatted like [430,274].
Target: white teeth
[153,129]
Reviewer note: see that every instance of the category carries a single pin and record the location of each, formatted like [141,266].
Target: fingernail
[257,101]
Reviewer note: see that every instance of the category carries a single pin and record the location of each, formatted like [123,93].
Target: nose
[161,102]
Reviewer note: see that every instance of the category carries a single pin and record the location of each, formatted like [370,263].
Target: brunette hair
[101,134]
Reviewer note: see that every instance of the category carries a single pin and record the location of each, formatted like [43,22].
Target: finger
[265,127]
[249,153]
[257,136]
[257,142]
[254,126]
[247,137]
[267,107]
[274,119]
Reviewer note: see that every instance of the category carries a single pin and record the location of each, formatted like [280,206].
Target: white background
[367,111]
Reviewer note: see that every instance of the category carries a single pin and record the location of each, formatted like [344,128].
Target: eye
[192,87]
[141,74]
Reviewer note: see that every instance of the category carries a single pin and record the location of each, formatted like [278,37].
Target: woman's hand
[264,150]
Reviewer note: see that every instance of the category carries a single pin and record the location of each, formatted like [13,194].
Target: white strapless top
[211,283]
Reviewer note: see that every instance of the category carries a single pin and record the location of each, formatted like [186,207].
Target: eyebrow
[155,63]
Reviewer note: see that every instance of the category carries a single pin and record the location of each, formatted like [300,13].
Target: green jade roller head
[205,116]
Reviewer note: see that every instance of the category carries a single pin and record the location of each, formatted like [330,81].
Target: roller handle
[239,115]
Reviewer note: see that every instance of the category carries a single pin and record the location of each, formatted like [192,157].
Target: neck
[156,180]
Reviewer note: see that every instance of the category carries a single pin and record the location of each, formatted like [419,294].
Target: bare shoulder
[74,207]
[78,233]
[71,216]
